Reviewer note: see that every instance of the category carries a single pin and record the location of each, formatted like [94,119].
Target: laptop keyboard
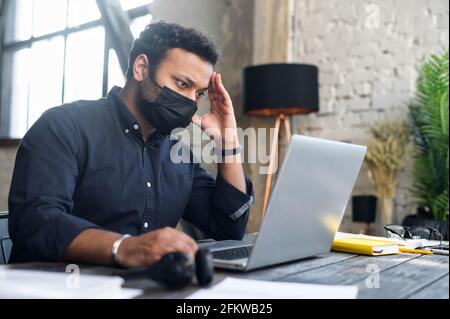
[233,253]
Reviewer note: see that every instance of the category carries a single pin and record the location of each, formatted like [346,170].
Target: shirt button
[145,225]
[149,184]
[135,126]
[127,131]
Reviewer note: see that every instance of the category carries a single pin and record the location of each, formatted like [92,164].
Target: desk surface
[401,276]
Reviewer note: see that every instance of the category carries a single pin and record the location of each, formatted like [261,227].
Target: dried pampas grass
[385,154]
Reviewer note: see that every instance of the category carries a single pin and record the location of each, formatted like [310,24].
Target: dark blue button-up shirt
[85,165]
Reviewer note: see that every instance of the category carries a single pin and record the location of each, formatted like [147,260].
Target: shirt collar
[127,120]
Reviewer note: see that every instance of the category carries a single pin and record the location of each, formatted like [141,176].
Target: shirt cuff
[230,200]
[68,228]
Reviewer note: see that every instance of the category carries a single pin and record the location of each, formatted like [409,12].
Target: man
[94,182]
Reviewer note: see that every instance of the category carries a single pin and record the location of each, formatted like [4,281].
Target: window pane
[18,20]
[138,25]
[82,11]
[49,16]
[130,4]
[45,74]
[84,65]
[19,93]
[115,75]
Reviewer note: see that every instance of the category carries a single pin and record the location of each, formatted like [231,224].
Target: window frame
[14,46]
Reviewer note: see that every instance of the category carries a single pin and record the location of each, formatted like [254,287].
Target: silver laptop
[305,209]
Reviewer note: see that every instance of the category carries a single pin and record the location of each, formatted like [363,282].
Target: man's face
[183,72]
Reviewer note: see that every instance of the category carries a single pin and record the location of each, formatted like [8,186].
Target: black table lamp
[280,90]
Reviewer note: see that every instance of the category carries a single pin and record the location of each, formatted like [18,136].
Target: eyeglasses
[413,232]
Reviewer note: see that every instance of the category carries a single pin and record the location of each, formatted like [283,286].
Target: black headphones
[176,270]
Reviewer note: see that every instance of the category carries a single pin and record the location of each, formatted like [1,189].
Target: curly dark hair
[158,38]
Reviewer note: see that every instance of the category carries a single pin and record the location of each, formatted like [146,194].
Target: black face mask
[168,111]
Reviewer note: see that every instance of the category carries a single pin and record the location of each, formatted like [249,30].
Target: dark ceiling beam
[117,28]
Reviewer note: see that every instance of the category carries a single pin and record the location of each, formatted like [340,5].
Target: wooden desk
[401,276]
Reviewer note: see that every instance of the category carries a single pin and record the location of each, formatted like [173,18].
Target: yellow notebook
[364,246]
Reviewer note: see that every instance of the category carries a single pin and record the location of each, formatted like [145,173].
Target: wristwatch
[116,246]
[228,152]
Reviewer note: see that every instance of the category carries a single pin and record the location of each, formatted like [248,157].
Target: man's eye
[200,94]
[182,84]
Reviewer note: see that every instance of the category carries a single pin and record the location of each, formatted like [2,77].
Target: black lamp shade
[364,208]
[273,89]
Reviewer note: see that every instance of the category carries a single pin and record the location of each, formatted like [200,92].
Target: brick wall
[7,157]
[369,54]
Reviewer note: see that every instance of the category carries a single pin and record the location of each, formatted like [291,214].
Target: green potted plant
[429,118]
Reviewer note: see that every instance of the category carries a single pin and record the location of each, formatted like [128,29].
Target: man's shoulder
[69,117]
[78,113]
[81,108]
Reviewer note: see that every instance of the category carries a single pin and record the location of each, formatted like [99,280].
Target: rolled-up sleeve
[41,223]
[218,208]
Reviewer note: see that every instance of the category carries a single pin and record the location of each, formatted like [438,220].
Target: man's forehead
[189,65]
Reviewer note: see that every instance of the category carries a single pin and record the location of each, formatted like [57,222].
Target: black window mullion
[63,89]
[30,48]
[133,14]
[105,65]
[66,34]
[15,46]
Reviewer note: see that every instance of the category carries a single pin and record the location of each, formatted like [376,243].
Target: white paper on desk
[233,288]
[24,284]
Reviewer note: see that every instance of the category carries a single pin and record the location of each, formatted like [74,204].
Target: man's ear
[141,67]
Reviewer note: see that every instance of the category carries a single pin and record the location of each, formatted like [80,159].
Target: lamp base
[273,148]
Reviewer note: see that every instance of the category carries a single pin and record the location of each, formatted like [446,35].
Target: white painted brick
[350,119]
[370,117]
[356,76]
[364,88]
[357,103]
[343,91]
[327,105]
[365,62]
[367,70]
